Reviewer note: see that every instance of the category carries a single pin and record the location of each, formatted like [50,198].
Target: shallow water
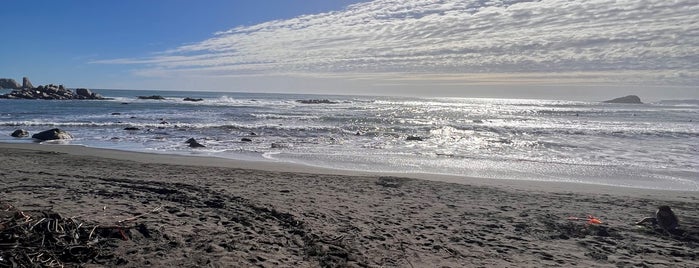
[647,146]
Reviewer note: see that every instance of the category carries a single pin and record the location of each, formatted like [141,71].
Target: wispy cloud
[651,40]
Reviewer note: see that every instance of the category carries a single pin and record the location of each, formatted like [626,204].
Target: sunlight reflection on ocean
[647,146]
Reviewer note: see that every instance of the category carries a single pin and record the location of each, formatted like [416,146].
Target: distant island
[630,99]
[47,92]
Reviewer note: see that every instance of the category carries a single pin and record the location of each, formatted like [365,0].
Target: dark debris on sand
[47,239]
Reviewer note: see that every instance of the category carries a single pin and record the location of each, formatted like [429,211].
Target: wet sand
[225,213]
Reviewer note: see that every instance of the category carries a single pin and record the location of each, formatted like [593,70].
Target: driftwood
[46,239]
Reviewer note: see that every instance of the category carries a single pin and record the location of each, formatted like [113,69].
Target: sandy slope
[226,216]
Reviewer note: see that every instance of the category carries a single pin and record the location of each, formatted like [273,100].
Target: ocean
[653,146]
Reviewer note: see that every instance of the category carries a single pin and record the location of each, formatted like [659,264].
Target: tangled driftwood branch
[46,239]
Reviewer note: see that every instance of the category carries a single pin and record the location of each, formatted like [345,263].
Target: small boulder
[20,133]
[192,99]
[278,145]
[194,143]
[414,138]
[52,134]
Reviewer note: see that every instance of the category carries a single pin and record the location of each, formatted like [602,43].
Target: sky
[556,49]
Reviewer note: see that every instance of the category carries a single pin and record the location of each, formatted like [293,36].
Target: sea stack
[630,99]
[26,83]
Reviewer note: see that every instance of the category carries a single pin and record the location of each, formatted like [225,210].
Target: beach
[214,212]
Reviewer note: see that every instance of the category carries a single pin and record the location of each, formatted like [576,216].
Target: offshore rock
[86,94]
[8,83]
[26,83]
[194,143]
[52,134]
[51,92]
[631,99]
[414,138]
[20,133]
[192,99]
[153,97]
[313,101]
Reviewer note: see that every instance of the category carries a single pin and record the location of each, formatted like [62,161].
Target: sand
[197,211]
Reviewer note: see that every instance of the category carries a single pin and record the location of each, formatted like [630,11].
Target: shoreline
[192,211]
[213,161]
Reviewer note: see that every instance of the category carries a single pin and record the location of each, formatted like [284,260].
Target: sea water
[652,145]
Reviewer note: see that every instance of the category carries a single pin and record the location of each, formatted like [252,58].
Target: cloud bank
[644,41]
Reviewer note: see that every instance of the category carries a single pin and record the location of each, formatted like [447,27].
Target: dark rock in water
[52,134]
[20,133]
[245,140]
[26,83]
[277,145]
[50,92]
[192,99]
[116,113]
[152,97]
[414,138]
[132,128]
[632,99]
[194,143]
[323,101]
[86,94]
[8,83]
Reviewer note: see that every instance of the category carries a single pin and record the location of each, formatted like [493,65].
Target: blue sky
[473,48]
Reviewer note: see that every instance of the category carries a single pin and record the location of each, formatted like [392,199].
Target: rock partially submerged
[20,133]
[414,138]
[52,134]
[192,99]
[84,93]
[194,143]
[631,99]
[152,97]
[314,101]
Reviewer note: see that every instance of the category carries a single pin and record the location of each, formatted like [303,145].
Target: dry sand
[224,213]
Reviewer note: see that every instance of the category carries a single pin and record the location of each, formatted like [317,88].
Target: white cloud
[632,40]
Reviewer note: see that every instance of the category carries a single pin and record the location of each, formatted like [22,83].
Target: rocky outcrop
[192,99]
[50,92]
[153,97]
[8,83]
[20,133]
[26,83]
[631,99]
[52,134]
